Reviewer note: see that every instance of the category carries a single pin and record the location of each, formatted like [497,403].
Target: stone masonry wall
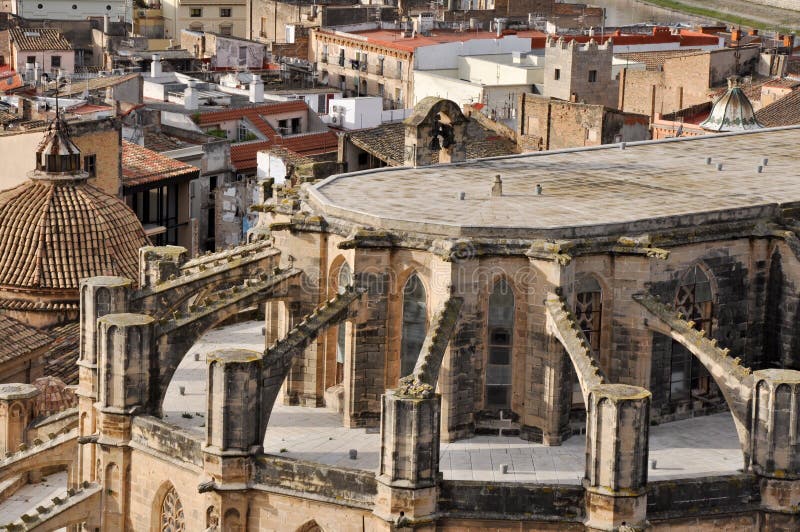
[782,307]
[737,272]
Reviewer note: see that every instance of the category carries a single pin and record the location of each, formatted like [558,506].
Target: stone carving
[172,513]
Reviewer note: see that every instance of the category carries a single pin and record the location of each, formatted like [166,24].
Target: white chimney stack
[256,89]
[155,66]
[190,100]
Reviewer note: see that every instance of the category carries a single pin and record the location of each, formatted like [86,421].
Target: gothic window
[589,314]
[344,280]
[588,311]
[500,325]
[172,512]
[414,324]
[688,377]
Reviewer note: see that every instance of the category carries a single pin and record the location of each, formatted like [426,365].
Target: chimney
[37,71]
[155,66]
[736,35]
[25,104]
[190,96]
[105,24]
[753,32]
[256,89]
[788,41]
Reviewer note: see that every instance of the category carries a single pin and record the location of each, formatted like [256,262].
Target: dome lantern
[732,111]
[57,154]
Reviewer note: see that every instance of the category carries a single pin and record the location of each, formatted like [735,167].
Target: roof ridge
[43,226]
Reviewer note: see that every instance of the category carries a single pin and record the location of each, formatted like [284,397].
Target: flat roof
[648,186]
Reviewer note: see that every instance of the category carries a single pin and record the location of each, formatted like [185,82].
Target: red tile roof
[20,339]
[660,35]
[783,112]
[243,154]
[38,39]
[141,166]
[394,38]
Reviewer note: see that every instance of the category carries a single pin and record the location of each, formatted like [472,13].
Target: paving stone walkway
[690,448]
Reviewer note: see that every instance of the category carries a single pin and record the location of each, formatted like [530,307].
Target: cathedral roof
[732,111]
[56,228]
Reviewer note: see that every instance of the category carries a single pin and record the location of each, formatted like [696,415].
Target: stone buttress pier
[408,475]
[233,427]
[99,296]
[123,385]
[16,412]
[617,428]
[775,446]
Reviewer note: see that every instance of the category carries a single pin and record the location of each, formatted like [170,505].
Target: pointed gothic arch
[414,322]
[310,526]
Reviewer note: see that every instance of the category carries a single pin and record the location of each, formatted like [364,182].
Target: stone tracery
[172,519]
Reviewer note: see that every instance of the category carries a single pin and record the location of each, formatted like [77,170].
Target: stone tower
[580,72]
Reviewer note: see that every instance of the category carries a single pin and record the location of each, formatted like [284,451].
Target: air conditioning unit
[337,109]
[336,119]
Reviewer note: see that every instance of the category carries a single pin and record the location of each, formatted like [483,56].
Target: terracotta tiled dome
[54,396]
[56,229]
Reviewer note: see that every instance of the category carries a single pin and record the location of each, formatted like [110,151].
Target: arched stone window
[589,310]
[212,519]
[102,302]
[500,343]
[16,427]
[172,512]
[415,315]
[694,299]
[343,280]
[589,316]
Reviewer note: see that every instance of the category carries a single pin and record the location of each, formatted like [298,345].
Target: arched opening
[589,317]
[16,427]
[499,347]
[232,521]
[343,281]
[415,323]
[310,526]
[212,518]
[112,506]
[102,302]
[690,385]
[171,512]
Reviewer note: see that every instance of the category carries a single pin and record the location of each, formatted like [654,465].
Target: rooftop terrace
[692,448]
[588,191]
